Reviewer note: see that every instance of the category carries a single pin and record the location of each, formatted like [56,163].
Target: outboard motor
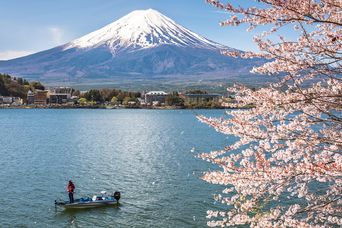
[117,196]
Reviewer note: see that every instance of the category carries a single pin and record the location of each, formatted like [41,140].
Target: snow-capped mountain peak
[144,44]
[142,29]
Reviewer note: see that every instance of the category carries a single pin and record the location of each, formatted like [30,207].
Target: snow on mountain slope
[143,29]
[143,44]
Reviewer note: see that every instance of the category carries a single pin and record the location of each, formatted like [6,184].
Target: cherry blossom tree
[285,169]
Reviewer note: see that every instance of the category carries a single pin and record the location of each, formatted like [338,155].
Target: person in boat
[70,189]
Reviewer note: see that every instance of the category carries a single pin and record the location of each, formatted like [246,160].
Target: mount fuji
[144,44]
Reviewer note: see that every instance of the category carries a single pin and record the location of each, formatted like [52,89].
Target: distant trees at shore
[19,87]
[110,95]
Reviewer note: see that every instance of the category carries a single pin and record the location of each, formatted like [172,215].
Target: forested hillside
[17,87]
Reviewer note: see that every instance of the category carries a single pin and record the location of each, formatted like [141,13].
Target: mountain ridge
[142,44]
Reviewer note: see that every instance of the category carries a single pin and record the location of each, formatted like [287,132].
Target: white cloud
[11,54]
[56,35]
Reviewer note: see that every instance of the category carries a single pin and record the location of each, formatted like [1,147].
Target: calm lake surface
[145,154]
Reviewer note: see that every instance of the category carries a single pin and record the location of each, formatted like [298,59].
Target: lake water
[145,154]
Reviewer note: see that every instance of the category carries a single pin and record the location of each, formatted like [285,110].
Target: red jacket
[71,187]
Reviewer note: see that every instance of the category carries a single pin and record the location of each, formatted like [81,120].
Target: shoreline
[108,107]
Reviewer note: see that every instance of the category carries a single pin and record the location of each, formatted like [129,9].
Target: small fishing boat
[96,201]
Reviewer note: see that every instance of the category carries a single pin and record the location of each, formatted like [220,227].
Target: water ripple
[146,154]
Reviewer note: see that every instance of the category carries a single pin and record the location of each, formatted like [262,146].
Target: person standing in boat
[71,188]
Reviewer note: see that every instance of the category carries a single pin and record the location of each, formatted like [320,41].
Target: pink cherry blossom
[285,169]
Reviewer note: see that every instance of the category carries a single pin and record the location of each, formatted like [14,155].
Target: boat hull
[88,204]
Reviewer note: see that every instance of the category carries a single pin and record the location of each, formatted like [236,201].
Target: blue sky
[29,26]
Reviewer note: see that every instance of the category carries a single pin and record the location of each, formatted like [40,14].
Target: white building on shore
[155,97]
[59,95]
[13,101]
